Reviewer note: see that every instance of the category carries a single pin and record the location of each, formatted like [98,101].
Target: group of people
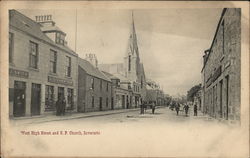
[144,107]
[176,106]
[60,106]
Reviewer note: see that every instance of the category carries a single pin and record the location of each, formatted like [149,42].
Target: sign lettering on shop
[18,73]
[60,81]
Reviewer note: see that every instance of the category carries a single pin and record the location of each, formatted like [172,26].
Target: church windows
[129,63]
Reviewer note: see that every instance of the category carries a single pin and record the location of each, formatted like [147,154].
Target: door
[221,95]
[100,103]
[112,103]
[227,96]
[60,92]
[19,99]
[35,99]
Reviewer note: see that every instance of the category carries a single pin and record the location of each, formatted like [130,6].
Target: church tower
[132,58]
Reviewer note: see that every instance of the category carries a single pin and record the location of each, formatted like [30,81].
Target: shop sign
[18,73]
[60,81]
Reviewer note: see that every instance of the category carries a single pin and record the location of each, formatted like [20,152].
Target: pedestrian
[142,107]
[195,110]
[63,106]
[153,108]
[186,107]
[177,108]
[58,106]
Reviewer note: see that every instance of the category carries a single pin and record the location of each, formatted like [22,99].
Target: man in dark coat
[186,107]
[153,108]
[177,108]
[142,107]
[63,106]
[58,106]
[195,110]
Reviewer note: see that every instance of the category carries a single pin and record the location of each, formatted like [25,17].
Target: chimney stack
[92,59]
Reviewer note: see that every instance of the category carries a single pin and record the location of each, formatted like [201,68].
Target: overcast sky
[171,41]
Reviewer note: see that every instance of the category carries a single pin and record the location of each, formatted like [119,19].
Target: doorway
[221,95]
[100,103]
[60,92]
[19,98]
[35,99]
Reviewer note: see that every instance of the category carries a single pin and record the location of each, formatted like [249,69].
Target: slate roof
[91,70]
[29,26]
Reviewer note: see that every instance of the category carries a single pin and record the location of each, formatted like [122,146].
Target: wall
[229,61]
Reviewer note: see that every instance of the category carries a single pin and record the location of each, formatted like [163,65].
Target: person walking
[142,107]
[195,110]
[58,106]
[177,108]
[186,107]
[63,106]
[153,108]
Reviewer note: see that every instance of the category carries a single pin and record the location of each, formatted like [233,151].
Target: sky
[171,41]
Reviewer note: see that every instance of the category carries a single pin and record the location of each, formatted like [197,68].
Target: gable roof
[91,70]
[29,26]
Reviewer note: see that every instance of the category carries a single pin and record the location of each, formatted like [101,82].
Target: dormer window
[60,38]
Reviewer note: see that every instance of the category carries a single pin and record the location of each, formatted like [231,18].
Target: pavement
[68,116]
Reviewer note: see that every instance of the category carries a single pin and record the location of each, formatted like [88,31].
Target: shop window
[53,60]
[68,66]
[11,46]
[49,98]
[33,55]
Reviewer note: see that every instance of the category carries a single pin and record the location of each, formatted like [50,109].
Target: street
[164,132]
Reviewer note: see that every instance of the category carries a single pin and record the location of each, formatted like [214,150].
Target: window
[60,38]
[107,102]
[68,66]
[70,97]
[92,83]
[100,85]
[49,98]
[33,55]
[129,62]
[107,88]
[93,101]
[53,59]
[141,82]
[11,35]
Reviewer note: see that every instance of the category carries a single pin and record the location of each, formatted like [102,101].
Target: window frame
[53,61]
[11,47]
[32,56]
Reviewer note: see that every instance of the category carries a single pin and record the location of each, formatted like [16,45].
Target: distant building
[94,88]
[121,91]
[41,66]
[221,69]
[154,93]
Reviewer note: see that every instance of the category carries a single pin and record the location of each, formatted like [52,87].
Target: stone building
[221,69]
[121,91]
[41,66]
[94,88]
